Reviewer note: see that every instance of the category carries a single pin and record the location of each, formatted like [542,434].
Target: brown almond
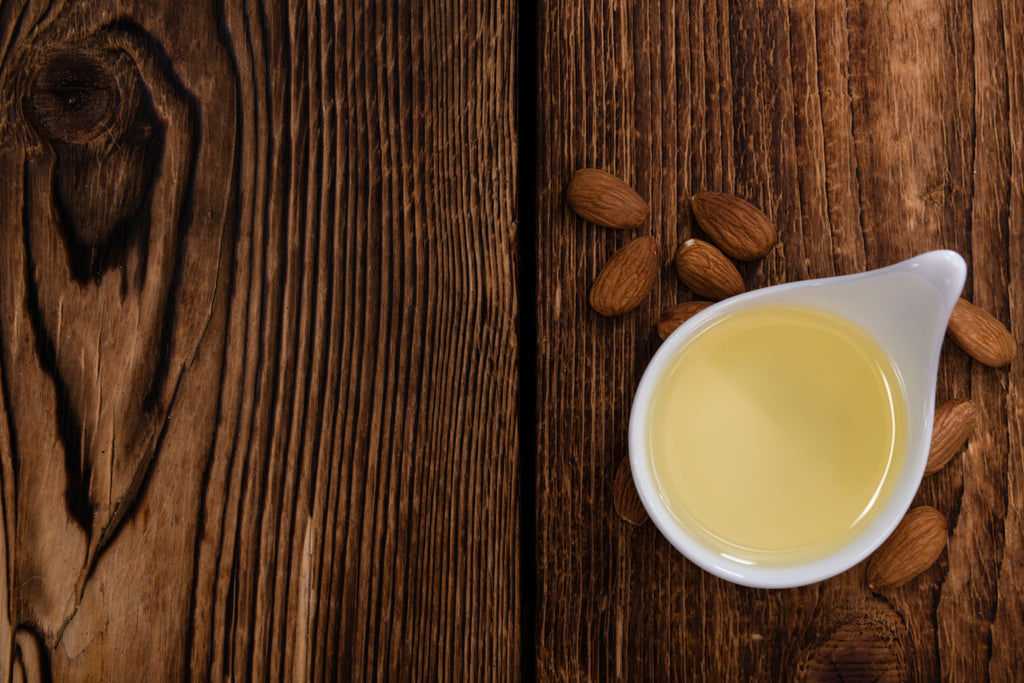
[981,336]
[626,280]
[601,198]
[913,547]
[739,228]
[954,424]
[707,271]
[673,317]
[627,500]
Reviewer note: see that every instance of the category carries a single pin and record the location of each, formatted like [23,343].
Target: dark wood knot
[74,96]
[865,646]
[94,114]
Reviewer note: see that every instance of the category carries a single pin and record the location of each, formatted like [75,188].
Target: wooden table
[298,376]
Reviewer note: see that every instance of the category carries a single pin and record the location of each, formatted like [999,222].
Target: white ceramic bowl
[905,307]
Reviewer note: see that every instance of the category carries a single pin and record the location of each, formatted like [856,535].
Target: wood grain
[258,343]
[869,133]
[257,346]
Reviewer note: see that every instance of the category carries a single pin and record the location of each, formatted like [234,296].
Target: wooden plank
[869,133]
[257,345]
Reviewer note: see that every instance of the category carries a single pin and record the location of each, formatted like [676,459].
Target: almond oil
[776,432]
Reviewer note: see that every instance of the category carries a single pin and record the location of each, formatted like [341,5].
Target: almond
[627,278]
[707,271]
[627,500]
[738,227]
[673,317]
[954,424]
[602,198]
[981,336]
[913,547]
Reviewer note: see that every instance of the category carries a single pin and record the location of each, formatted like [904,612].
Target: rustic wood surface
[257,344]
[870,132]
[261,272]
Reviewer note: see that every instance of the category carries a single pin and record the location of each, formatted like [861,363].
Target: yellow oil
[774,432]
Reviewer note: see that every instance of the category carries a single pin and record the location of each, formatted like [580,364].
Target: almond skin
[738,227]
[673,317]
[626,280]
[601,198]
[954,424]
[981,336]
[707,271]
[913,547]
[627,500]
